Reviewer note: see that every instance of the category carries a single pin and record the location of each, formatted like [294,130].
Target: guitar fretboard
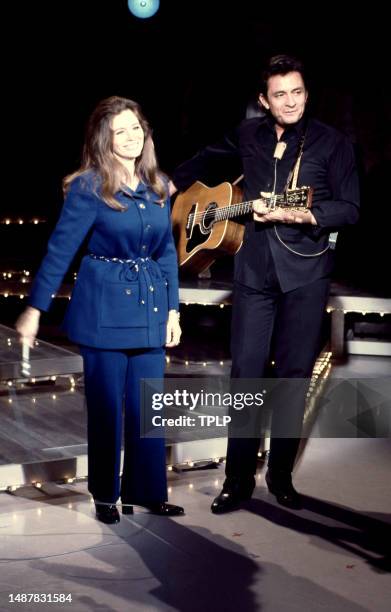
[242,208]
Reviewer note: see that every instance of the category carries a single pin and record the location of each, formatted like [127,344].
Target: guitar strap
[291,183]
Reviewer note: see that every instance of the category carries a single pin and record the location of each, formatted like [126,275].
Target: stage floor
[329,557]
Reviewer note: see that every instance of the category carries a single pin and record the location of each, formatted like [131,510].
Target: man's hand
[263,214]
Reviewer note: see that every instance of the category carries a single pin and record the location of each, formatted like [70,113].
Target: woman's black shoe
[127,509]
[164,509]
[107,513]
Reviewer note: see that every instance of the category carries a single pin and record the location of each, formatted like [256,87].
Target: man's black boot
[280,484]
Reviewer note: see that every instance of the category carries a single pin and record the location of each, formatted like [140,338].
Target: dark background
[194,67]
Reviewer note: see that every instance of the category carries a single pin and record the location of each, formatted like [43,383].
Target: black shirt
[328,165]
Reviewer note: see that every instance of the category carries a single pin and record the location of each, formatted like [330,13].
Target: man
[281,281]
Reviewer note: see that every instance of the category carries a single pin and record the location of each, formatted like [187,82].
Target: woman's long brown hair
[98,153]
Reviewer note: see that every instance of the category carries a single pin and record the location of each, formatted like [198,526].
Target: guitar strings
[230,207]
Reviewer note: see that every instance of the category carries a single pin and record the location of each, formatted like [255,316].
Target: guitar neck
[242,208]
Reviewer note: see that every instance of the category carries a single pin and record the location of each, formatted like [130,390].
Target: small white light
[186,363]
[6,295]
[7,221]
[54,396]
[20,221]
[169,468]
[35,221]
[191,486]
[38,485]
[221,305]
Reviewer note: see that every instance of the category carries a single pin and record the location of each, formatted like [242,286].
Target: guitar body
[200,238]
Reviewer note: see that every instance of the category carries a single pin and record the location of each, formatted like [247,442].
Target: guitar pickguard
[198,231]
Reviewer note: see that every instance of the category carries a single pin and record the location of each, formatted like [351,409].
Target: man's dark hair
[280,64]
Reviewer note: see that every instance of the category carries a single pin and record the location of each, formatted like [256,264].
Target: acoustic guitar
[202,226]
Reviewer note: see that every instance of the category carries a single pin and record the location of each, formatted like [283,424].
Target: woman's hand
[27,325]
[173,329]
[172,188]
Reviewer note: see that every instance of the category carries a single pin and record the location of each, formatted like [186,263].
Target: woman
[124,305]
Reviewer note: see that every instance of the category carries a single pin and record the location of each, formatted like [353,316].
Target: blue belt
[140,264]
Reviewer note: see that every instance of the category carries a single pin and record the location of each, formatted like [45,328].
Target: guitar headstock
[299,198]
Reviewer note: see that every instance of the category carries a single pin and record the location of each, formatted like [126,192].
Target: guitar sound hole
[209,217]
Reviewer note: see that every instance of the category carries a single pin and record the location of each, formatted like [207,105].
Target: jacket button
[143,302]
[128,291]
[151,288]
[155,309]
[147,227]
[144,247]
[142,205]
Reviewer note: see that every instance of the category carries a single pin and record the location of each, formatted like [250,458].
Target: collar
[141,189]
[297,128]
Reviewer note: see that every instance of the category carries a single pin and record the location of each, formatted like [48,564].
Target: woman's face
[128,135]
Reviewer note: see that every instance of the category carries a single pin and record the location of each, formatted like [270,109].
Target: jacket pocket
[121,306]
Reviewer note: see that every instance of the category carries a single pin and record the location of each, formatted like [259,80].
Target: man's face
[286,98]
